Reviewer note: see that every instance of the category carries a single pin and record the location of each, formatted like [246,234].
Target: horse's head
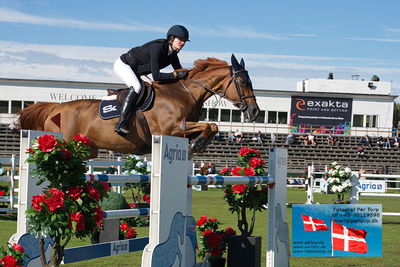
[240,90]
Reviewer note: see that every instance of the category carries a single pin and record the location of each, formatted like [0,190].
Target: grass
[211,204]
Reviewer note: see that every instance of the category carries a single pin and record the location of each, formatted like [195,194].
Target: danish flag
[348,239]
[313,224]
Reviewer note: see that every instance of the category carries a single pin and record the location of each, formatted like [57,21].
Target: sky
[282,42]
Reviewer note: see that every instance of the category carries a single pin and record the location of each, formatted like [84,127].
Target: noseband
[241,104]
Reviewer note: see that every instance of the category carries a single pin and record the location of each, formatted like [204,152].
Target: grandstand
[300,156]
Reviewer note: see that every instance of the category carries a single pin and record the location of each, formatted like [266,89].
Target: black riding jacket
[150,58]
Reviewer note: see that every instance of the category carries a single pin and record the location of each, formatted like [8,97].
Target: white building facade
[320,105]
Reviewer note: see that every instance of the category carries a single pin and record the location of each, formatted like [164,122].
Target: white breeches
[126,74]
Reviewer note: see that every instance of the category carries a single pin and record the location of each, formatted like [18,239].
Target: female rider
[146,59]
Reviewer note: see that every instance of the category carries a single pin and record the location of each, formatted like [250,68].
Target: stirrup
[121,128]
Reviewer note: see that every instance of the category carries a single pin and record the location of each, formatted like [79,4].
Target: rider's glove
[181,74]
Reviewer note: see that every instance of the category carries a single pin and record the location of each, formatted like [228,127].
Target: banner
[321,112]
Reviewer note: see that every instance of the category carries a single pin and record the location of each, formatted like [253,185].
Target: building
[341,106]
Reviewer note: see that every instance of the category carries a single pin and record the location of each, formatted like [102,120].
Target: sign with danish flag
[348,239]
[313,224]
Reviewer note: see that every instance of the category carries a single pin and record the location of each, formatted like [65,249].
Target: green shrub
[114,201]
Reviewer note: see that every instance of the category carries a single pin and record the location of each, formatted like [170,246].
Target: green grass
[211,204]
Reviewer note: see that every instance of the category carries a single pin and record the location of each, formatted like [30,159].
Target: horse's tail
[34,116]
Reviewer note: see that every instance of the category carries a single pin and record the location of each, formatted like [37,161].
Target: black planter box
[244,251]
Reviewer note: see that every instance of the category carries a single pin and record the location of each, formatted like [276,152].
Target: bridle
[241,104]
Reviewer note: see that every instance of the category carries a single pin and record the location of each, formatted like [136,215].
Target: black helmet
[178,31]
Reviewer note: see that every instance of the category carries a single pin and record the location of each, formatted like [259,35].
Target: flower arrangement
[212,240]
[250,197]
[12,256]
[126,230]
[201,170]
[338,180]
[69,206]
[140,191]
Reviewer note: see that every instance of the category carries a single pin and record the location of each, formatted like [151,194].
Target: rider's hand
[181,74]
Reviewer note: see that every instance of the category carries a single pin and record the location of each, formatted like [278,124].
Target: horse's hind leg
[204,133]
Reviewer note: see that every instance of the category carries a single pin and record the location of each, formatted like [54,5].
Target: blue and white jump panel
[95,251]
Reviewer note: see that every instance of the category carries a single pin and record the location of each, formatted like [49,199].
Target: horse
[174,112]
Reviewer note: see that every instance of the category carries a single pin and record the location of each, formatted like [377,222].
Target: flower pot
[244,251]
[219,262]
[110,232]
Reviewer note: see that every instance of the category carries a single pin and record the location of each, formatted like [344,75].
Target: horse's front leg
[202,134]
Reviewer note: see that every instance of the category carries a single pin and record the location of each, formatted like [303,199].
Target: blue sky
[282,42]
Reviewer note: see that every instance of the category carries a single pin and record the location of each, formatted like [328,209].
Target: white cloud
[387,40]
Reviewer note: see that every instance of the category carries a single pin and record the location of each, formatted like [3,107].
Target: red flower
[9,261]
[124,226]
[55,199]
[75,192]
[83,139]
[18,247]
[214,240]
[206,232]
[2,193]
[249,171]
[237,171]
[131,233]
[216,252]
[79,219]
[93,192]
[36,201]
[255,151]
[239,188]
[30,150]
[65,154]
[202,220]
[224,171]
[146,198]
[256,162]
[244,151]
[106,186]
[47,142]
[99,216]
[229,231]
[132,205]
[213,220]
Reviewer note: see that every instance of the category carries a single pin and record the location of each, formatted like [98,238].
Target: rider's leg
[126,74]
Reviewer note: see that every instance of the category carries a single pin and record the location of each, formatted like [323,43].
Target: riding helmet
[179,31]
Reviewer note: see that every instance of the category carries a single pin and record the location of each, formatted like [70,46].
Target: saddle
[110,106]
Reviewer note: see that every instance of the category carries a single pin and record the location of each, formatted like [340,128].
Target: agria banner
[320,111]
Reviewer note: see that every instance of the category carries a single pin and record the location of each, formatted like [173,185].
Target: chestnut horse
[175,111]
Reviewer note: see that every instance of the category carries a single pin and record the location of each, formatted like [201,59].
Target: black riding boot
[122,126]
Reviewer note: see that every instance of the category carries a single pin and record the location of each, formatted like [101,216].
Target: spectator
[212,169]
[396,142]
[304,139]
[290,139]
[361,141]
[2,172]
[311,139]
[368,140]
[260,137]
[379,141]
[217,137]
[238,136]
[360,152]
[111,170]
[330,140]
[387,144]
[231,137]
[336,142]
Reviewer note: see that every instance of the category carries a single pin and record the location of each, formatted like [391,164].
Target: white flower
[334,188]
[140,164]
[340,188]
[133,172]
[334,163]
[342,173]
[337,180]
[136,157]
[347,170]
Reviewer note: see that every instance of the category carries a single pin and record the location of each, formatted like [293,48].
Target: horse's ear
[242,62]
[235,63]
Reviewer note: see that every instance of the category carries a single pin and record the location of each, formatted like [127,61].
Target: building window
[27,103]
[236,116]
[225,115]
[371,120]
[261,117]
[213,114]
[272,116]
[358,120]
[203,114]
[282,117]
[3,106]
[15,106]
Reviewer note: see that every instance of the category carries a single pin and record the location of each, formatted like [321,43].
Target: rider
[146,59]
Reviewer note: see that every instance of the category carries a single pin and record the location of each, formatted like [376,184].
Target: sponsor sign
[371,186]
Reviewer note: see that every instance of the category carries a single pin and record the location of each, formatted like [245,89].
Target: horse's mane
[203,64]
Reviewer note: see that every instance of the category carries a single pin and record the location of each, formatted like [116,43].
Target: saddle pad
[109,109]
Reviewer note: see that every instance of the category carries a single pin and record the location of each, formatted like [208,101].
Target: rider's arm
[155,55]
[176,64]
